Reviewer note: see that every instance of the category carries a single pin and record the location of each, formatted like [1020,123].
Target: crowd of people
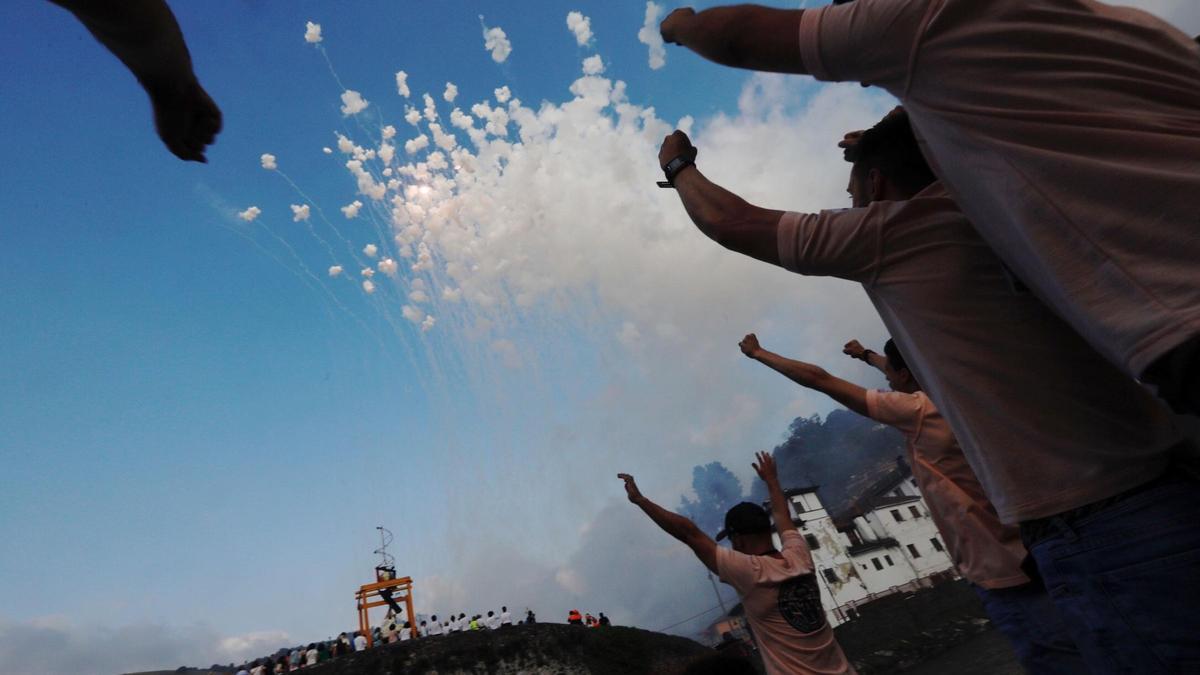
[1026,226]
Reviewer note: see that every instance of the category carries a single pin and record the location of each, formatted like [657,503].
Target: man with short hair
[505,617]
[778,588]
[1061,440]
[985,552]
[1068,131]
[360,642]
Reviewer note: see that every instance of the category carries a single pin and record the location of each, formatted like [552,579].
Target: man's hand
[672,26]
[750,346]
[675,145]
[631,488]
[855,350]
[765,468]
[186,118]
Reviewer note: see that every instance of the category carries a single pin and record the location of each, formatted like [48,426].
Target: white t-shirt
[505,618]
[493,622]
[405,634]
[1067,130]
[258,670]
[360,643]
[435,628]
[311,657]
[1046,423]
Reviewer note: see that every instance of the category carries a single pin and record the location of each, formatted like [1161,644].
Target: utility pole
[717,590]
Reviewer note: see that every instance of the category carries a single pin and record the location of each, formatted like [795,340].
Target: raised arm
[855,350]
[721,215]
[766,470]
[740,36]
[804,374]
[674,524]
[144,35]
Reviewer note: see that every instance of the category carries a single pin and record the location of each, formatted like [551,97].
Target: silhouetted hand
[750,346]
[186,118]
[855,350]
[631,488]
[674,145]
[765,468]
[671,26]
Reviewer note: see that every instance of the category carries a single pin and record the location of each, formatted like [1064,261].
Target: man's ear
[875,185]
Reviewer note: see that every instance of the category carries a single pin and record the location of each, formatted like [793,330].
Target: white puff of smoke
[389,132]
[351,210]
[418,296]
[312,33]
[461,120]
[436,161]
[368,286]
[402,84]
[417,144]
[451,92]
[503,94]
[335,271]
[496,42]
[249,214]
[353,102]
[412,314]
[581,26]
[452,294]
[327,150]
[299,212]
[428,323]
[370,250]
[443,140]
[367,272]
[366,182]
[430,108]
[593,65]
[386,153]
[268,161]
[388,267]
[650,36]
[412,116]
[345,145]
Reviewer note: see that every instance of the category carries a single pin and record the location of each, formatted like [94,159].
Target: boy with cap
[777,588]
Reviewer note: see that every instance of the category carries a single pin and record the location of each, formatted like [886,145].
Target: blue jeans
[1126,577]
[1028,618]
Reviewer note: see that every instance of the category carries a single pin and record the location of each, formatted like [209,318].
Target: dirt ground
[987,653]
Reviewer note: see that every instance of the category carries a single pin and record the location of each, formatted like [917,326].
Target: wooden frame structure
[401,590]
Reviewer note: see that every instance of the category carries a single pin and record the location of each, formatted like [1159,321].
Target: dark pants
[1028,618]
[387,597]
[1125,575]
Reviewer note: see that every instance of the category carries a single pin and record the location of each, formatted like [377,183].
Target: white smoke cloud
[503,94]
[300,212]
[268,161]
[581,26]
[413,314]
[402,84]
[368,286]
[496,42]
[412,116]
[370,250]
[335,271]
[451,92]
[389,131]
[593,65]
[249,214]
[312,33]
[327,150]
[351,210]
[353,102]
[388,267]
[650,36]
[428,323]
[417,144]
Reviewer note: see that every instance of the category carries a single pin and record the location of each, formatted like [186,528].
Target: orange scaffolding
[401,590]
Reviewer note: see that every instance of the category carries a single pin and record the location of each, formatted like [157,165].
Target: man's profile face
[860,195]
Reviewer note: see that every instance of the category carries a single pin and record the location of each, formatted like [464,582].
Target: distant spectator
[589,620]
[435,628]
[360,642]
[406,632]
[575,618]
[281,665]
[529,616]
[294,659]
[475,622]
[260,668]
[323,654]
[505,617]
[423,630]
[604,620]
[492,621]
[243,671]
[311,656]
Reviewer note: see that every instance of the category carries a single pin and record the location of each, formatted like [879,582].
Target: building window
[812,542]
[913,550]
[913,510]
[888,558]
[878,565]
[937,545]
[896,514]
[830,576]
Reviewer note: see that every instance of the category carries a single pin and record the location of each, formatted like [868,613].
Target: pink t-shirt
[783,605]
[1046,423]
[986,552]
[1067,130]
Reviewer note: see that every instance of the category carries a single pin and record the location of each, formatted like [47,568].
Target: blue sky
[200,438]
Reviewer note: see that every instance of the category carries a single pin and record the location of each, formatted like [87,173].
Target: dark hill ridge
[541,649]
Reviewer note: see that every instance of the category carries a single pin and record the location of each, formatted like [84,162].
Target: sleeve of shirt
[872,41]
[842,243]
[895,409]
[796,552]
[737,569]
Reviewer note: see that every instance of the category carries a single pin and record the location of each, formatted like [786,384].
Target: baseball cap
[745,518]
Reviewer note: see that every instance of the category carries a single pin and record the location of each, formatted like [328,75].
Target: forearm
[143,34]
[672,523]
[728,219]
[779,509]
[876,360]
[746,36]
[803,374]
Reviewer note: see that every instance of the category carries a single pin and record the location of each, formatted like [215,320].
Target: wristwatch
[673,168]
